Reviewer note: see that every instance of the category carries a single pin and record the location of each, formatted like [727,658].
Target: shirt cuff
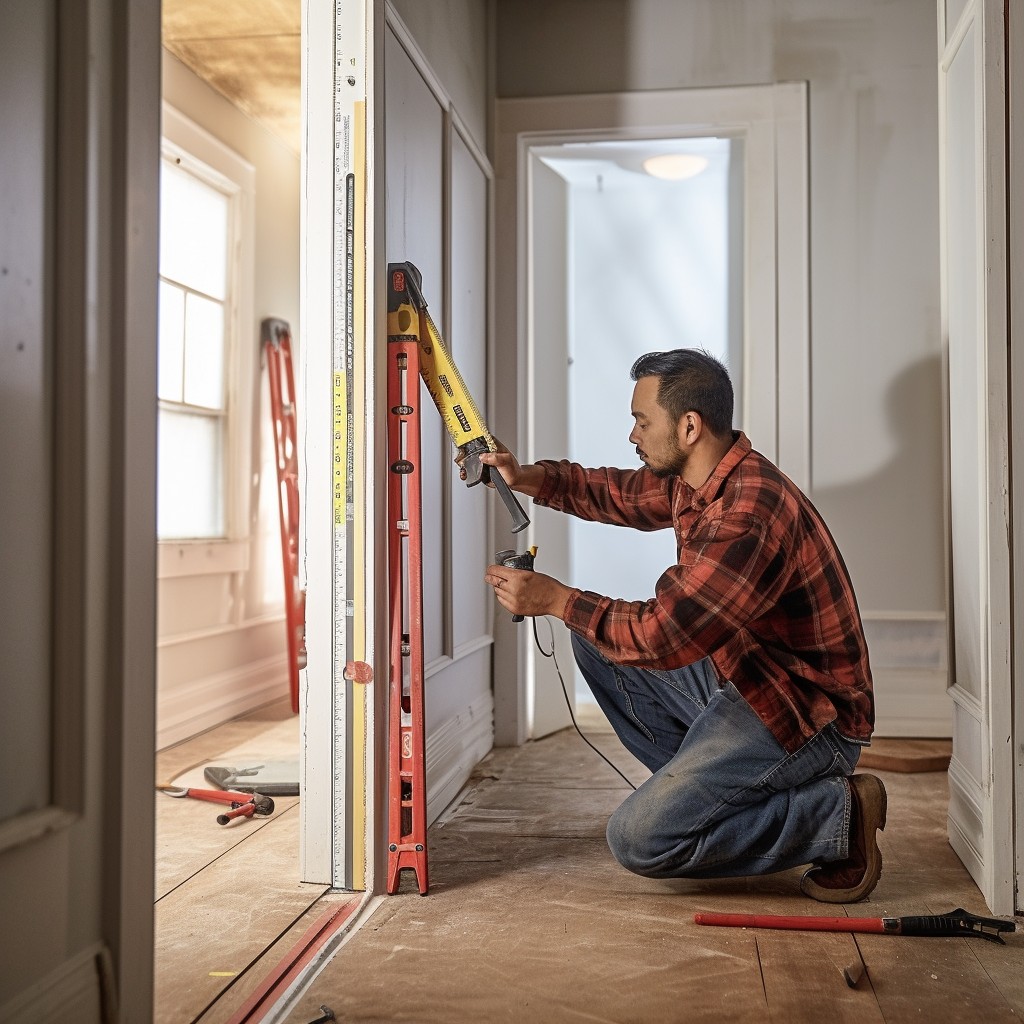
[550,485]
[569,605]
[581,610]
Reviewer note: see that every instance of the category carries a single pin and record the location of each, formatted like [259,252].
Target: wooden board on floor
[189,838]
[803,978]
[214,926]
[529,918]
[906,755]
[477,956]
[273,725]
[931,977]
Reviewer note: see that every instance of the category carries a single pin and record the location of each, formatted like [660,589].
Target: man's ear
[690,428]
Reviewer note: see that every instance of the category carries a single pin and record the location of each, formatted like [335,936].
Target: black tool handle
[520,520]
[514,561]
[959,922]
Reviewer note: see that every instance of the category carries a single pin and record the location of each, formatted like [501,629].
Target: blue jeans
[725,799]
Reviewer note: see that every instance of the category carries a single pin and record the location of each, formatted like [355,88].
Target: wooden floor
[228,905]
[530,919]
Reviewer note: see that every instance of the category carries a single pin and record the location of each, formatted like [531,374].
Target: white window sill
[201,557]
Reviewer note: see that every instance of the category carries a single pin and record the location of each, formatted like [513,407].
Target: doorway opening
[654,255]
[230,198]
[609,263]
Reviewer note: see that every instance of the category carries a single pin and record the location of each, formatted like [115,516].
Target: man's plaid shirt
[759,586]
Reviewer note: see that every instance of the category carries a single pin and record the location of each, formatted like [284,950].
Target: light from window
[194,284]
[193,231]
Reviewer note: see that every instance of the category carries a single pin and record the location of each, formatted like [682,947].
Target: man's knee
[643,842]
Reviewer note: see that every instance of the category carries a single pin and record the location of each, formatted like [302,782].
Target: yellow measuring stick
[408,319]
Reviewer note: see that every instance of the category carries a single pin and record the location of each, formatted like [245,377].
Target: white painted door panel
[972,128]
[437,218]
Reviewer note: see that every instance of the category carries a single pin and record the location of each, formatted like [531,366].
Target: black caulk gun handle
[514,561]
[520,520]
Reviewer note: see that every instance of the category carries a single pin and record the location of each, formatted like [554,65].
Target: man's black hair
[691,380]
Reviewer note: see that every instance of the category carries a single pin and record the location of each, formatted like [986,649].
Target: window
[203,208]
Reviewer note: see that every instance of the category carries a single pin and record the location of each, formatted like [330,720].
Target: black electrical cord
[551,654]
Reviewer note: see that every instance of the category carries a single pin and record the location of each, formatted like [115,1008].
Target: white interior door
[972,108]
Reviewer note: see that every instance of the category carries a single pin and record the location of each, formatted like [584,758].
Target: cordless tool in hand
[514,561]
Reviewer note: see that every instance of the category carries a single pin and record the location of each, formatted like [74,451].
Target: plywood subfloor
[228,902]
[529,918]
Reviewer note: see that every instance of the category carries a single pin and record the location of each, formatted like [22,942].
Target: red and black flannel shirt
[759,586]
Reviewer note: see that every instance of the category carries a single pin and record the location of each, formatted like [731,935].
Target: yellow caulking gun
[408,319]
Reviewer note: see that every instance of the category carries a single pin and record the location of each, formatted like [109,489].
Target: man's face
[654,433]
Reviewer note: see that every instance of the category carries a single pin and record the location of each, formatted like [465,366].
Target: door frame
[1015,245]
[343,721]
[981,771]
[771,119]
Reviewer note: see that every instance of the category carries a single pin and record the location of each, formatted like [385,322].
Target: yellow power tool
[408,319]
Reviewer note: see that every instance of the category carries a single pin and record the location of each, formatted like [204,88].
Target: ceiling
[248,50]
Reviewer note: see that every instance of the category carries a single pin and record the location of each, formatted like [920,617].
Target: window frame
[214,163]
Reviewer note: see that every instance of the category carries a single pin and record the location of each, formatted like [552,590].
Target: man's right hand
[525,479]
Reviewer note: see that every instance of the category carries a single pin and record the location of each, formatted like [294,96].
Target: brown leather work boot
[849,880]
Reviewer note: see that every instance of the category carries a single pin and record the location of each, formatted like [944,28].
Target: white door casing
[772,122]
[1015,163]
[972,125]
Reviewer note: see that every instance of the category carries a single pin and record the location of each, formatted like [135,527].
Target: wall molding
[200,703]
[228,629]
[965,823]
[72,991]
[909,665]
[454,748]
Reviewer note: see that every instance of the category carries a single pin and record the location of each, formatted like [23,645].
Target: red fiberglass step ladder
[407,786]
[416,350]
[276,342]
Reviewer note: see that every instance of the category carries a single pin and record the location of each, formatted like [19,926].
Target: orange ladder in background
[276,344]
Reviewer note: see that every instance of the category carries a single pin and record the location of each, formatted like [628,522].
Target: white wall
[875,356]
[454,38]
[222,643]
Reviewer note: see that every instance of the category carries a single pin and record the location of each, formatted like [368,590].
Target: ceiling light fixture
[675,166]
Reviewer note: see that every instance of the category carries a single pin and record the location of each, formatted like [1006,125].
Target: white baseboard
[965,823]
[909,668]
[912,703]
[208,700]
[454,749]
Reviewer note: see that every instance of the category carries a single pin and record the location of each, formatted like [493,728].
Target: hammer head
[262,804]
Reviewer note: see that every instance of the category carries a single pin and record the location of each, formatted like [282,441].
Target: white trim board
[454,748]
[209,700]
[908,654]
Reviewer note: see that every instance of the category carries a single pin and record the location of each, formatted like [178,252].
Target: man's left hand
[523,592]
